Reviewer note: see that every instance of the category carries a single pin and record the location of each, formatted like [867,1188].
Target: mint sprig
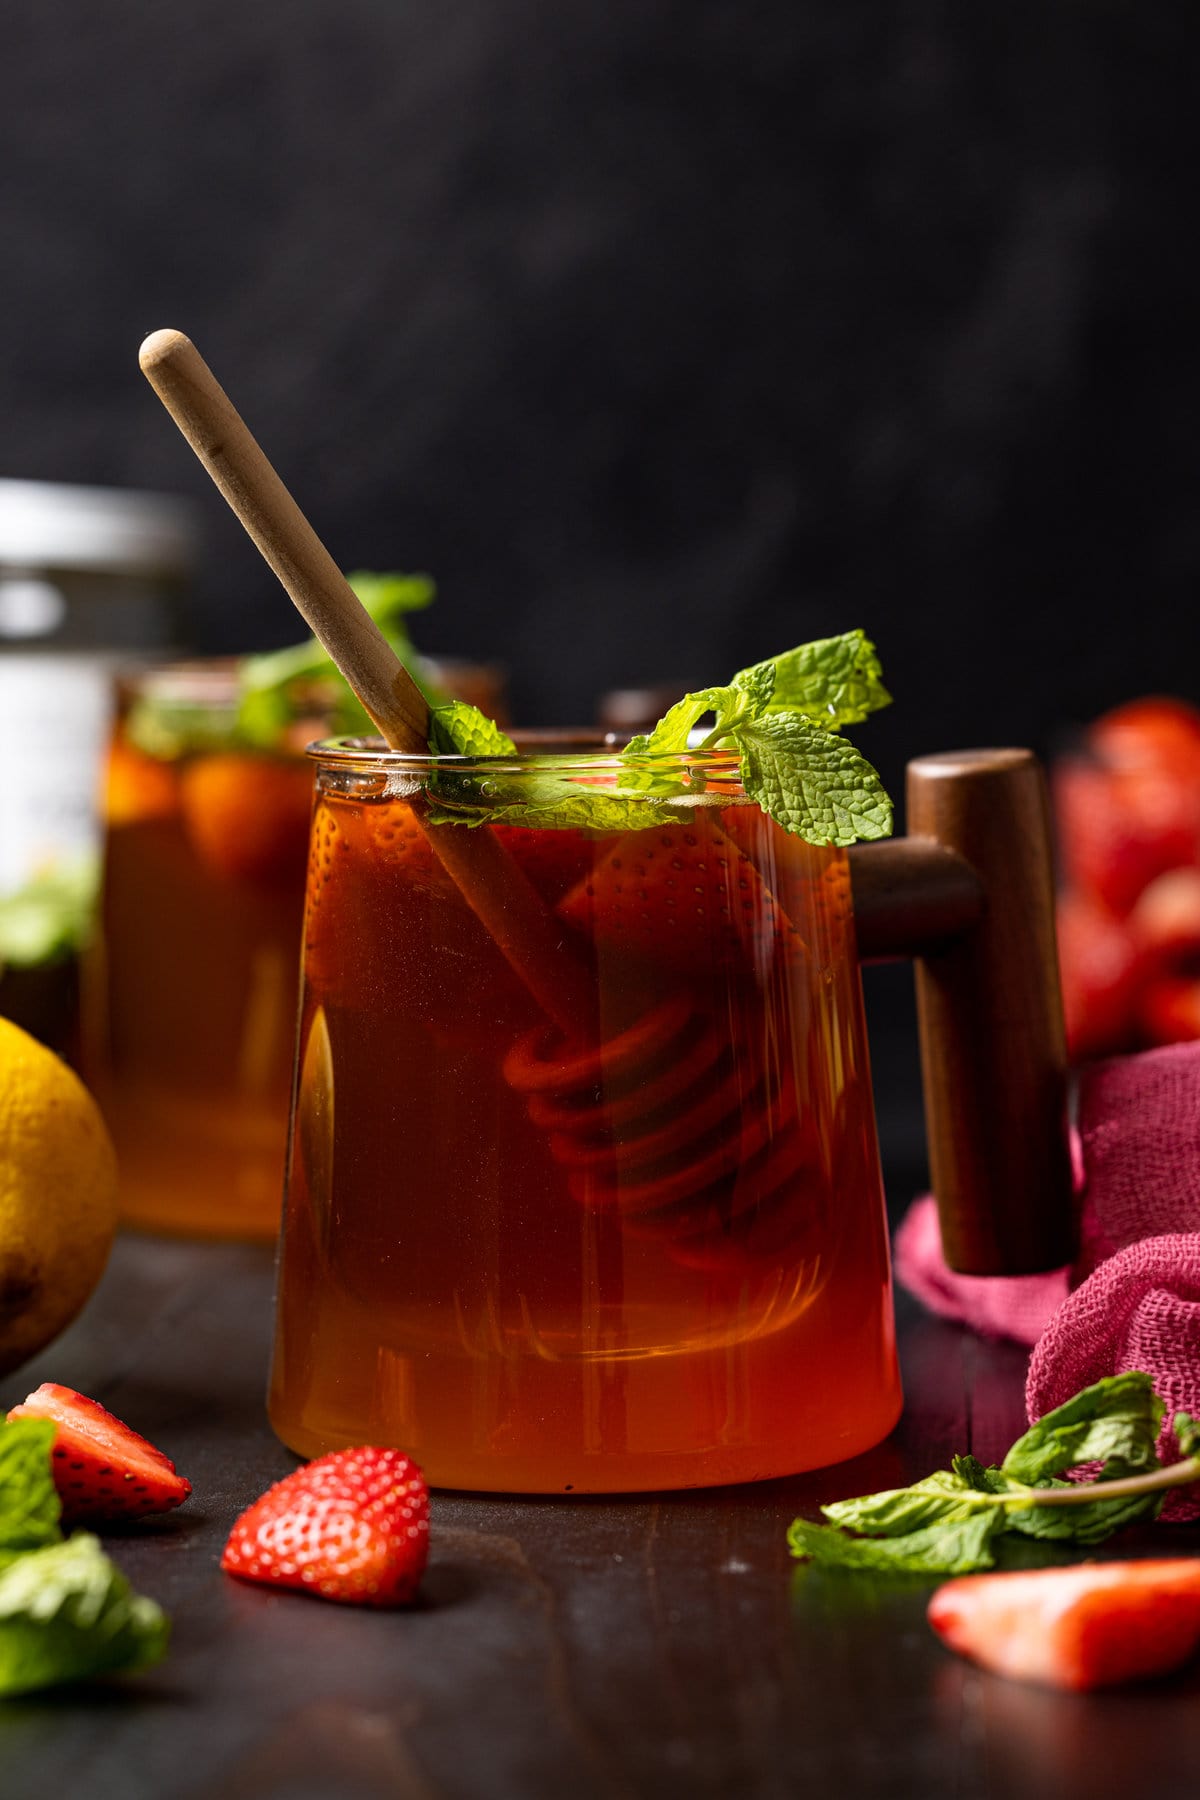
[66,1612]
[782,718]
[281,686]
[964,1518]
[29,1503]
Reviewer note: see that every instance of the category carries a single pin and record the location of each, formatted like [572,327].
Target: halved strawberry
[683,896]
[1090,1626]
[104,1472]
[352,1526]
[247,816]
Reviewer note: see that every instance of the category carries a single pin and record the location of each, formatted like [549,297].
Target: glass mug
[650,1252]
[190,983]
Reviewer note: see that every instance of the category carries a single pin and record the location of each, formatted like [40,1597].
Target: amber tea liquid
[190,990]
[651,1257]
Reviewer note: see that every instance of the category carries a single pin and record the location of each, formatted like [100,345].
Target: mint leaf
[929,1525]
[1187,1434]
[29,1503]
[67,1613]
[793,763]
[458,729]
[943,1498]
[50,916]
[811,781]
[953,1547]
[1115,1421]
[834,681]
[670,736]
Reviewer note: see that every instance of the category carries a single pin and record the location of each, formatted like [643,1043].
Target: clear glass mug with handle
[646,1247]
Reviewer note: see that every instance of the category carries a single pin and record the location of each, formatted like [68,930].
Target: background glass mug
[651,1256]
[191,980]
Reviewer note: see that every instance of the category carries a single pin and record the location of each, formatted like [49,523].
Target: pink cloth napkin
[1132,1298]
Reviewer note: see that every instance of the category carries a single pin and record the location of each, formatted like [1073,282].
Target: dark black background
[666,333]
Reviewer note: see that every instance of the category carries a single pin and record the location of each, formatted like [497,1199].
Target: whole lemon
[58,1195]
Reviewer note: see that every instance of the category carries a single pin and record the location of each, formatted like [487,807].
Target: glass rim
[603,753]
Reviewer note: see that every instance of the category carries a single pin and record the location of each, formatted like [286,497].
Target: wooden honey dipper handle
[970,894]
[493,886]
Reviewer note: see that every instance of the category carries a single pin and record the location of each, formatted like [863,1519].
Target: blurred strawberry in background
[1127,810]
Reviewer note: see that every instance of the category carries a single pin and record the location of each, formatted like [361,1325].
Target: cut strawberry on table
[682,896]
[1093,1625]
[352,1526]
[104,1472]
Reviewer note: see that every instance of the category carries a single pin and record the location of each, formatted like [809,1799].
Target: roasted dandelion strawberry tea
[642,1249]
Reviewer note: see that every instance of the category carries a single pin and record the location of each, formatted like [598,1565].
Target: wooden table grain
[597,1649]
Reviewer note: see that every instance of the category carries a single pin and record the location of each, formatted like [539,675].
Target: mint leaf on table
[29,1503]
[954,1546]
[1115,1422]
[67,1613]
[958,1519]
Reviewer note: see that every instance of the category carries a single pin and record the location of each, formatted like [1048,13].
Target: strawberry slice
[104,1472]
[247,816]
[554,861]
[1090,1626]
[352,1526]
[680,896]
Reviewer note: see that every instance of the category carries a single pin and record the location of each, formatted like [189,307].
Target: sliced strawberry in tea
[247,816]
[682,897]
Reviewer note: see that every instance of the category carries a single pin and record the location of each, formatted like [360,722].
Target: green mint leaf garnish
[51,916]
[811,781]
[955,1520]
[278,688]
[834,681]
[67,1614]
[670,736]
[781,718]
[29,1503]
[458,729]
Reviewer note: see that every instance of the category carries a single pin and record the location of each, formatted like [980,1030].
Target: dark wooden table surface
[659,1646]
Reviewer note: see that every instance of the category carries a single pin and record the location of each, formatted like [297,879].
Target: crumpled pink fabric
[1131,1300]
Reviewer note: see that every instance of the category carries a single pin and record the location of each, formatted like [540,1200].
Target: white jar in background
[91,579]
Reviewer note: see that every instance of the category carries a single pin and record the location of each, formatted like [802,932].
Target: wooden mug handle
[970,894]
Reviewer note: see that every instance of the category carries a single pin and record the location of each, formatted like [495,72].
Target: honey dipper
[971,897]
